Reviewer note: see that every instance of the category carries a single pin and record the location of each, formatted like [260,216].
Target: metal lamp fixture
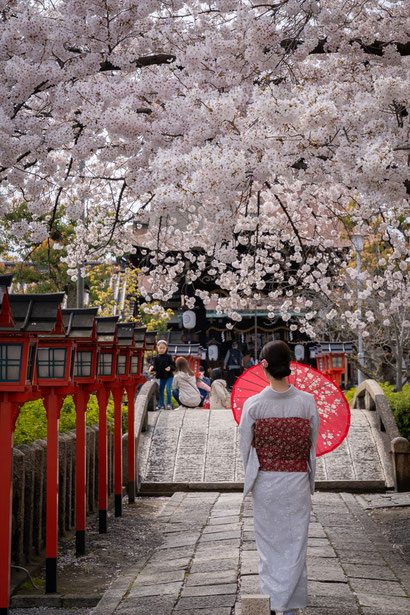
[358,243]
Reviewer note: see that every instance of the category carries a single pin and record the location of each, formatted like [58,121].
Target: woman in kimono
[278,433]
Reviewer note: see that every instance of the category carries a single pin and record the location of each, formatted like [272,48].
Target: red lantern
[331,359]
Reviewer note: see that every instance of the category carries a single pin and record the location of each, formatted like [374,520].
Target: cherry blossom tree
[242,132]
[373,303]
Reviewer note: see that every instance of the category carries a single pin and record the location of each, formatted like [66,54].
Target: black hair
[277,354]
[216,374]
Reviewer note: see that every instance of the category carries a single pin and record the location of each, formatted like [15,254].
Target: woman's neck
[280,386]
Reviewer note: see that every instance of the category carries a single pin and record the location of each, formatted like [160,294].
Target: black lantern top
[184,350]
[106,328]
[139,337]
[35,313]
[5,282]
[79,322]
[150,340]
[125,333]
[333,348]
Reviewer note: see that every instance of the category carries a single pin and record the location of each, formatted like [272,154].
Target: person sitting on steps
[185,389]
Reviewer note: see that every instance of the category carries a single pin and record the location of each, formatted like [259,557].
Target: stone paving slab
[384,500]
[202,446]
[204,576]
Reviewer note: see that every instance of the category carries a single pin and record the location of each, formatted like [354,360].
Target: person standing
[248,361]
[232,363]
[163,366]
[278,433]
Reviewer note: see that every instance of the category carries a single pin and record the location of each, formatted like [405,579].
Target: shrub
[399,403]
[32,421]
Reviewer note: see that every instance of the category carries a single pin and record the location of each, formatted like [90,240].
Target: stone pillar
[29,501]
[63,472]
[401,463]
[110,441]
[255,604]
[70,480]
[73,469]
[39,448]
[17,542]
[91,438]
[94,428]
[125,459]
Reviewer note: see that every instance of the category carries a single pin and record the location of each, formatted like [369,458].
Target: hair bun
[275,357]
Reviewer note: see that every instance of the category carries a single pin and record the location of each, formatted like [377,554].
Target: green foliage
[349,395]
[32,422]
[46,271]
[399,403]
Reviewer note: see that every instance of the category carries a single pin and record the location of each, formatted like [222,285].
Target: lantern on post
[124,342]
[135,379]
[331,359]
[80,327]
[54,375]
[105,374]
[195,352]
[151,341]
[137,355]
[18,346]
[27,319]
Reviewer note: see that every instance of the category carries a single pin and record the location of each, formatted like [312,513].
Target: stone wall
[29,490]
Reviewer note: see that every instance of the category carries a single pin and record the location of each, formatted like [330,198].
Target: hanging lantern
[189,319]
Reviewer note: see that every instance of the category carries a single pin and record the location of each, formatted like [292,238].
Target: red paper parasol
[332,404]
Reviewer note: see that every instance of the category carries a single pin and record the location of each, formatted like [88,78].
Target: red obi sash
[283,444]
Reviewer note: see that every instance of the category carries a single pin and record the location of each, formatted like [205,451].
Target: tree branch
[156,59]
[375,48]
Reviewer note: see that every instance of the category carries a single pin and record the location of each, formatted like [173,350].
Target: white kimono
[282,500]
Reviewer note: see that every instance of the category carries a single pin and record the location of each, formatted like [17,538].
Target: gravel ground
[395,525]
[130,538]
[45,611]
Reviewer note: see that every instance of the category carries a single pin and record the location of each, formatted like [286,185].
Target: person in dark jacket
[232,362]
[164,367]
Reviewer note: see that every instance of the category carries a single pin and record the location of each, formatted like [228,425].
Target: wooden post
[102,397]
[80,397]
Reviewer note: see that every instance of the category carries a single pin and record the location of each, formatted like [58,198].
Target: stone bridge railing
[369,395]
[146,401]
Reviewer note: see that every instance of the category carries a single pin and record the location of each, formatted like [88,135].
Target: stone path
[208,559]
[201,446]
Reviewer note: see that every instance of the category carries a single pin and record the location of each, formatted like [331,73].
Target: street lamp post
[358,243]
